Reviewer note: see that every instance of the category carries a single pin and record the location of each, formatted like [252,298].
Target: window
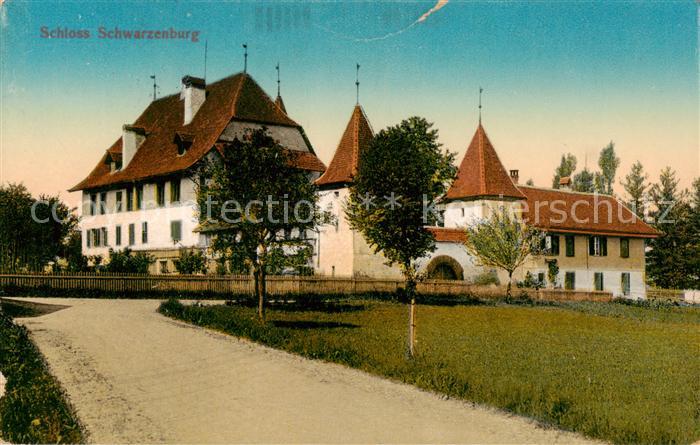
[176,231]
[540,278]
[598,281]
[598,246]
[139,196]
[87,238]
[144,232]
[132,235]
[175,190]
[93,204]
[624,247]
[463,212]
[160,194]
[570,280]
[570,245]
[118,206]
[163,266]
[550,245]
[625,282]
[103,203]
[129,199]
[105,240]
[96,237]
[118,236]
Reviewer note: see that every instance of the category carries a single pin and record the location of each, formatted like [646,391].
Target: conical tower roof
[357,136]
[280,104]
[481,174]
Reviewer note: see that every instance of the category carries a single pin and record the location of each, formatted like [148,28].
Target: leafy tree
[33,231]
[608,163]
[584,181]
[530,182]
[253,200]
[190,262]
[503,241]
[127,261]
[553,272]
[567,166]
[636,186]
[73,252]
[403,169]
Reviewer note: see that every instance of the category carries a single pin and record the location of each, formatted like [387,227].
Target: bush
[34,409]
[487,278]
[190,262]
[126,261]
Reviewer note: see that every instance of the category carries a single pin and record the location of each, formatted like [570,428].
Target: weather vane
[154,86]
[481,90]
[357,82]
[245,57]
[278,78]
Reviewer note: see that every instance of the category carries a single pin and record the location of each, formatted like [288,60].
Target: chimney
[194,93]
[132,138]
[515,175]
[565,183]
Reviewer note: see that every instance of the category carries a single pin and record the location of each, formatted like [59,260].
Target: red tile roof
[574,212]
[357,136]
[280,104]
[237,97]
[448,235]
[481,174]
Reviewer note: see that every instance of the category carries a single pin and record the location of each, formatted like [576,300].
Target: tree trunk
[260,291]
[411,296]
[508,288]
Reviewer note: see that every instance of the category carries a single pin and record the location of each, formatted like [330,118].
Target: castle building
[141,195]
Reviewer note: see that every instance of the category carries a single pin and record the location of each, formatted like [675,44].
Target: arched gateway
[444,267]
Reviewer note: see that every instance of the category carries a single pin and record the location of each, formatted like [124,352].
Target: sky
[557,76]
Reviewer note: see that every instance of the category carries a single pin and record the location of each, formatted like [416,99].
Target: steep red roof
[237,97]
[574,212]
[481,173]
[448,235]
[357,136]
[280,104]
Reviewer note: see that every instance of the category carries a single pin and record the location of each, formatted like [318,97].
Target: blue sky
[558,76]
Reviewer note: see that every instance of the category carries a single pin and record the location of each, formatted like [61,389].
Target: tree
[694,237]
[503,241]
[127,261]
[608,163]
[635,185]
[530,182]
[669,259]
[259,206]
[584,181]
[567,166]
[33,231]
[190,262]
[553,272]
[402,171]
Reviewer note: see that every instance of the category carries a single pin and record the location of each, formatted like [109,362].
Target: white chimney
[193,92]
[515,176]
[565,183]
[132,138]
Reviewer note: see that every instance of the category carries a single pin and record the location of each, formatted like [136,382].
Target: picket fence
[276,285]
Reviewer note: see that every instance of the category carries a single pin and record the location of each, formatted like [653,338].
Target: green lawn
[620,373]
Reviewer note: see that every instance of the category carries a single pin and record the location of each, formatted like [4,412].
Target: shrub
[486,278]
[126,261]
[191,262]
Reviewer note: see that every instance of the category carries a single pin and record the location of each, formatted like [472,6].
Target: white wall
[335,241]
[158,219]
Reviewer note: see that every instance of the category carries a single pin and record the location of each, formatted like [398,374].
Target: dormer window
[183,141]
[114,160]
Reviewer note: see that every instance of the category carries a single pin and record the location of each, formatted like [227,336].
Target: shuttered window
[118,236]
[624,247]
[176,231]
[144,232]
[570,246]
[625,283]
[175,190]
[598,246]
[129,199]
[119,205]
[598,281]
[570,280]
[132,235]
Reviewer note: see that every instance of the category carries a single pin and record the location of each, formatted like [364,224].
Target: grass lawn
[610,371]
[33,409]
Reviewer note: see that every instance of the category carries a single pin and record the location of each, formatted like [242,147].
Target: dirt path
[136,376]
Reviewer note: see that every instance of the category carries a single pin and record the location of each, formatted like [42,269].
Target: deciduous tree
[567,166]
[608,163]
[403,169]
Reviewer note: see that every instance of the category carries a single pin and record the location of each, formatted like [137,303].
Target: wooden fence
[276,285]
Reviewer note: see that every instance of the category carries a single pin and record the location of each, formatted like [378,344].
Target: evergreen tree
[567,166]
[635,185]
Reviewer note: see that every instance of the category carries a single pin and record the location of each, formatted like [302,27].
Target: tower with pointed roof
[481,182]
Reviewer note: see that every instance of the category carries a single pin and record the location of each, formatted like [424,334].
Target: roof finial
[278,78]
[154,86]
[205,60]
[245,57]
[357,83]
[481,90]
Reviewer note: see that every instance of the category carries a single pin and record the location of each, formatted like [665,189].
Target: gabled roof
[481,174]
[357,136]
[584,213]
[236,97]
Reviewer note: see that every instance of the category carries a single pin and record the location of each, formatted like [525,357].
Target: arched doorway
[444,267]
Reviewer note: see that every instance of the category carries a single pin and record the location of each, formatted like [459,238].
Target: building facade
[142,195]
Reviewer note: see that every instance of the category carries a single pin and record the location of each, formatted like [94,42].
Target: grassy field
[34,409]
[626,374]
